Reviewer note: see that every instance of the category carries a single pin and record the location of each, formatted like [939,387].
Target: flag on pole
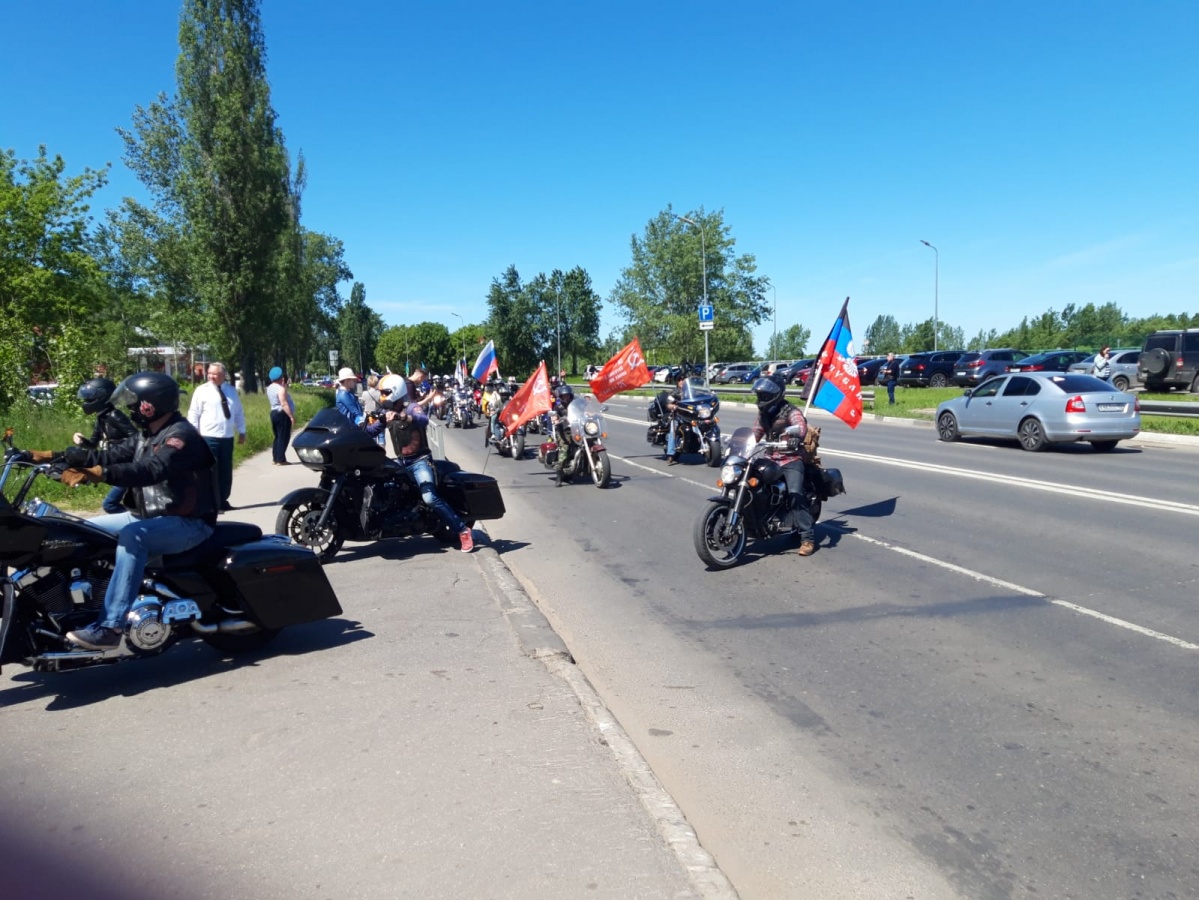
[530,401]
[486,363]
[838,388]
[623,372]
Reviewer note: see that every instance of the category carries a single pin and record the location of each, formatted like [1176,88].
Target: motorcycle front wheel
[718,545]
[712,453]
[298,521]
[518,446]
[601,471]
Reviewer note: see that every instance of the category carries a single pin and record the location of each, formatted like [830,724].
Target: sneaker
[807,548]
[674,460]
[468,542]
[95,637]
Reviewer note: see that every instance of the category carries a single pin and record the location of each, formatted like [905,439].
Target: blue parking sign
[706,313]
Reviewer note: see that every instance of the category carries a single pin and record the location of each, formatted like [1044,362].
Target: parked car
[868,370]
[931,369]
[1170,359]
[977,366]
[734,373]
[1042,408]
[790,372]
[1123,367]
[1049,361]
[668,374]
[41,394]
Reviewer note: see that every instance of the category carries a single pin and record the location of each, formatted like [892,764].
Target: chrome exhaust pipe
[229,626]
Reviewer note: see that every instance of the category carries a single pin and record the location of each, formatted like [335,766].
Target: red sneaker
[468,542]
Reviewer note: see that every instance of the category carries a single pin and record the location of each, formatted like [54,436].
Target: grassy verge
[50,428]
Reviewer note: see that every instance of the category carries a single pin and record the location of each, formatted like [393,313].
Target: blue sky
[1048,149]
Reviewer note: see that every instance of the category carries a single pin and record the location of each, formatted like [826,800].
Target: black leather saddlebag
[281,583]
[474,496]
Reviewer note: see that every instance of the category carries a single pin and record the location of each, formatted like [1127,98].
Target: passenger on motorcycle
[492,404]
[780,420]
[408,425]
[112,426]
[563,395]
[171,480]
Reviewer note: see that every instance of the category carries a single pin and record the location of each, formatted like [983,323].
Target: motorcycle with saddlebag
[754,500]
[694,417]
[365,496]
[585,447]
[235,591]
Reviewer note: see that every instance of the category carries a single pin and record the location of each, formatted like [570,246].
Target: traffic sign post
[707,321]
[333,360]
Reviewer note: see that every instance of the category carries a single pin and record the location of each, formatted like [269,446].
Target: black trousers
[281,425]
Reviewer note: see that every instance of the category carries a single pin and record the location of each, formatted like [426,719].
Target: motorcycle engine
[60,593]
[144,630]
[392,510]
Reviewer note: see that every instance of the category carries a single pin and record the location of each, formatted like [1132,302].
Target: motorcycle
[235,591]
[462,404]
[695,418]
[541,424]
[753,500]
[587,454]
[365,496]
[508,444]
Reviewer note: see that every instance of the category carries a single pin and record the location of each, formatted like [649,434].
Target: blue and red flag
[838,389]
[486,363]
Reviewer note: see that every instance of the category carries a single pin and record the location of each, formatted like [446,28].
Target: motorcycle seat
[224,536]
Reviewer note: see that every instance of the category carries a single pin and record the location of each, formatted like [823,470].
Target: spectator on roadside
[346,400]
[890,376]
[283,415]
[216,413]
[1102,367]
[371,408]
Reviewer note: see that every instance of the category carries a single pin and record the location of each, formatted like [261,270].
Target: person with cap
[216,413]
[283,414]
[347,397]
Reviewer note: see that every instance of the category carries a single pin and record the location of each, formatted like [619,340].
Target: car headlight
[311,455]
[592,428]
[730,474]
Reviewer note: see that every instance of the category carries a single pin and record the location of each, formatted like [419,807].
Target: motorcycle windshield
[583,410]
[693,389]
[742,443]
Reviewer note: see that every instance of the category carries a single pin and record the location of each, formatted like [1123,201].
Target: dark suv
[1170,359]
[932,369]
[977,366]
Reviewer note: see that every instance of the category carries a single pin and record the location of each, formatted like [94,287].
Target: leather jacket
[171,473]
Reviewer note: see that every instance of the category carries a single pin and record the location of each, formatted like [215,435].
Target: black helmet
[147,396]
[771,393]
[565,394]
[95,394]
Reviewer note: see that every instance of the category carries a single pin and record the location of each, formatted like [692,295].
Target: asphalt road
[983,685]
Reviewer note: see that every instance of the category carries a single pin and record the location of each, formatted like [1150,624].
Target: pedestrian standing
[1102,367]
[891,376]
[216,413]
[283,414]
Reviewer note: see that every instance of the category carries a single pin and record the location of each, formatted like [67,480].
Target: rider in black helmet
[563,395]
[112,426]
[168,471]
[780,420]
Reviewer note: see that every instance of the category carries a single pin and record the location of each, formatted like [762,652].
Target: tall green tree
[659,293]
[515,322]
[579,307]
[359,328]
[884,336]
[790,343]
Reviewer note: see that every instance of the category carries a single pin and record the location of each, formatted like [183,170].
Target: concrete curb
[539,641]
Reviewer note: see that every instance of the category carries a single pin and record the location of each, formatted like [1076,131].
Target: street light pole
[703,244]
[774,341]
[558,325]
[936,288]
[461,328]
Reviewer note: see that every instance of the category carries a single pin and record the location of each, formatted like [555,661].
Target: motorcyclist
[492,403]
[171,480]
[780,420]
[668,401]
[407,423]
[563,395]
[112,426]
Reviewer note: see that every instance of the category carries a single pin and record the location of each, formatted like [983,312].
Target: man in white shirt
[216,413]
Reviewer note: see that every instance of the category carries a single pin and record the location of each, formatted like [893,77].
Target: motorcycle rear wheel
[716,551]
[298,521]
[601,471]
[241,641]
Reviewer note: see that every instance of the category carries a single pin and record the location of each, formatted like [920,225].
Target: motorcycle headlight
[592,428]
[730,474]
[704,411]
[311,455]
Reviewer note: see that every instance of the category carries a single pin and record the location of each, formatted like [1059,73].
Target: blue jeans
[497,431]
[422,473]
[112,500]
[672,437]
[891,390]
[138,540]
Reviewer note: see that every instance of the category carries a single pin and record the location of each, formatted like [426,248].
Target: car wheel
[938,381]
[947,427]
[1195,385]
[1120,383]
[1104,446]
[1032,435]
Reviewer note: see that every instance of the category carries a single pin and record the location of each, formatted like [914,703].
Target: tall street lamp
[703,245]
[558,325]
[774,341]
[461,328]
[936,287]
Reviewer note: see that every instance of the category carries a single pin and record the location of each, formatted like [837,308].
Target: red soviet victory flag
[531,400]
[623,372]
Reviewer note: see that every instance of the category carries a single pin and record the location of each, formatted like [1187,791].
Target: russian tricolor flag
[486,363]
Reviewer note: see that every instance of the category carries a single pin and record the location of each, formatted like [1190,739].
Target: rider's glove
[76,477]
[40,456]
[75,457]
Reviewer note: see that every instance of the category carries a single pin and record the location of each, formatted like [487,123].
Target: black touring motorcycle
[753,500]
[695,418]
[365,496]
[235,591]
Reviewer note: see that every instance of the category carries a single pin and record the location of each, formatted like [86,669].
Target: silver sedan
[1042,408]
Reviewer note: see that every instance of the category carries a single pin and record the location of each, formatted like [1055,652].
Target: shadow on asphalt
[855,614]
[186,661]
